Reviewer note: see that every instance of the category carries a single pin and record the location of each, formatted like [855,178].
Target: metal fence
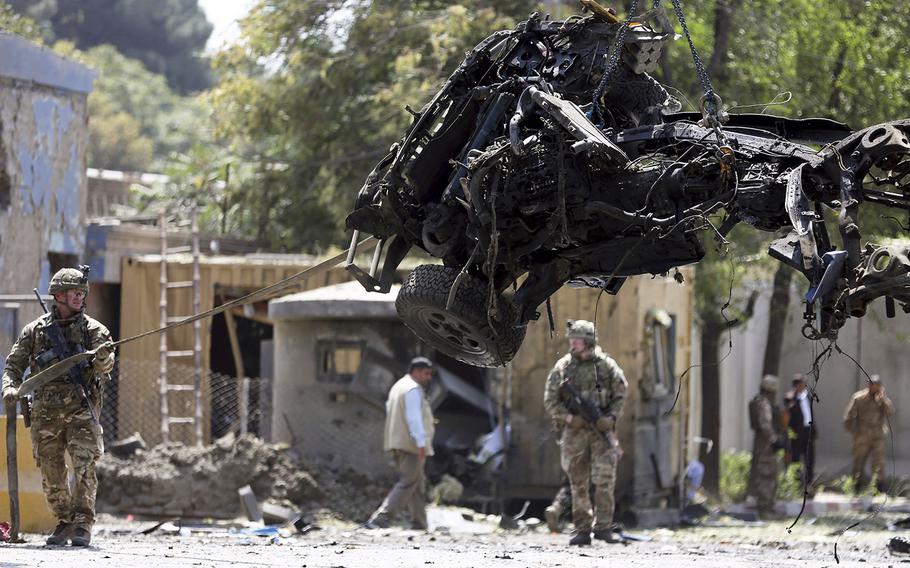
[132,404]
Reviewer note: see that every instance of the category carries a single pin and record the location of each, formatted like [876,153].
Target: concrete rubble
[203,482]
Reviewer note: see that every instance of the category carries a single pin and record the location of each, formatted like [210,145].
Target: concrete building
[43,143]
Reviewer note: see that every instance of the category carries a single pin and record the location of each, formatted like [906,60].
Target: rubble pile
[190,481]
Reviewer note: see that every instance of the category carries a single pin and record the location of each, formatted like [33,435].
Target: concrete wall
[877,343]
[43,142]
[327,420]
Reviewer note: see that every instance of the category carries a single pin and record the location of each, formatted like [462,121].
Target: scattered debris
[157,526]
[899,545]
[276,514]
[511,522]
[692,514]
[198,482]
[127,446]
[4,532]
[250,504]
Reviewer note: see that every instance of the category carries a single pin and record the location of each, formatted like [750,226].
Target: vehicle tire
[464,332]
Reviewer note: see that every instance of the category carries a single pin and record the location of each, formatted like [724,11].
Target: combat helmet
[583,329]
[68,279]
[769,383]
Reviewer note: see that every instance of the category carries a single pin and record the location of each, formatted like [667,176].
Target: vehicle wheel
[464,332]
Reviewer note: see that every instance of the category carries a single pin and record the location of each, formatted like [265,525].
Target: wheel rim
[451,330]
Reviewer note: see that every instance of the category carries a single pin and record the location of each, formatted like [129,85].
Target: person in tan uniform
[64,417]
[867,419]
[408,438]
[766,443]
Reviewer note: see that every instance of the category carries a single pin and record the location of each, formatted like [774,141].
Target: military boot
[81,536]
[61,534]
[552,515]
[580,538]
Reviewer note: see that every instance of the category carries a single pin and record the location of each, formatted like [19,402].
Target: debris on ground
[899,545]
[127,446]
[203,481]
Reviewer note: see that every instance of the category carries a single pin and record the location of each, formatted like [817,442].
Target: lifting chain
[711,103]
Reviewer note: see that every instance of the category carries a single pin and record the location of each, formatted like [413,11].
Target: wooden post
[243,382]
[197,331]
[244,405]
[12,470]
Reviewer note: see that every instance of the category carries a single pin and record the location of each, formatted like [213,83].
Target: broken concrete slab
[250,504]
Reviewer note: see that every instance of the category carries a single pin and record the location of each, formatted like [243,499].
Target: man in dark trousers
[802,446]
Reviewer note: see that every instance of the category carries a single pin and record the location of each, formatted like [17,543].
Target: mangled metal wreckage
[547,158]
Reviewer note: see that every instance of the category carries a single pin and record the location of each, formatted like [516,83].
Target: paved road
[463,544]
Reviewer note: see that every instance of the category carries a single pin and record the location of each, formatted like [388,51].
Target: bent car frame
[547,158]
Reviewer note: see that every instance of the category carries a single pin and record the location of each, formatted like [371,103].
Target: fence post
[244,404]
[162,340]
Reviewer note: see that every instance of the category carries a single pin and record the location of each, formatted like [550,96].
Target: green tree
[314,94]
[166,35]
[12,22]
[136,120]
[839,59]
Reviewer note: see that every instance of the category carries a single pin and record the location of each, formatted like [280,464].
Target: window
[662,338]
[338,361]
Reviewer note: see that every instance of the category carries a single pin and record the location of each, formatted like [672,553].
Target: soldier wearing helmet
[61,419]
[765,445]
[586,456]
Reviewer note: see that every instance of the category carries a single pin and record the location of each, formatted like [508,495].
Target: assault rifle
[586,409]
[60,350]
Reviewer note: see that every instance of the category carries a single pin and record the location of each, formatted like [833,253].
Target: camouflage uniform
[586,457]
[867,419]
[763,471]
[60,421]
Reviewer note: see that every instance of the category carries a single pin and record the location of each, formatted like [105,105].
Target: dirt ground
[456,542]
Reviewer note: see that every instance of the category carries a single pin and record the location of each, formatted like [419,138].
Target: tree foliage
[13,22]
[315,94]
[135,120]
[166,35]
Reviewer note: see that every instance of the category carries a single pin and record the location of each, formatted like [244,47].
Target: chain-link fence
[132,404]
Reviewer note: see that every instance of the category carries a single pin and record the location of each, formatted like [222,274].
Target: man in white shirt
[409,429]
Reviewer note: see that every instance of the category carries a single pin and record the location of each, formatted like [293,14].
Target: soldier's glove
[605,423]
[576,422]
[10,394]
[104,358]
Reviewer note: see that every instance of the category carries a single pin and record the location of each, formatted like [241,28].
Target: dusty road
[466,543]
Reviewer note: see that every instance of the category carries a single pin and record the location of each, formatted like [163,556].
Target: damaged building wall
[327,417]
[43,142]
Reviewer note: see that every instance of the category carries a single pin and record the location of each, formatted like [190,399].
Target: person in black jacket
[801,422]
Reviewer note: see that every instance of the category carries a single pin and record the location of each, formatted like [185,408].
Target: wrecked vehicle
[549,158]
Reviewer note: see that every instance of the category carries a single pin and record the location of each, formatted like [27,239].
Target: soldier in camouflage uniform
[866,418]
[765,445]
[61,420]
[586,457]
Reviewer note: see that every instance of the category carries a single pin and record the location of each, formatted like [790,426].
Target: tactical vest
[75,334]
